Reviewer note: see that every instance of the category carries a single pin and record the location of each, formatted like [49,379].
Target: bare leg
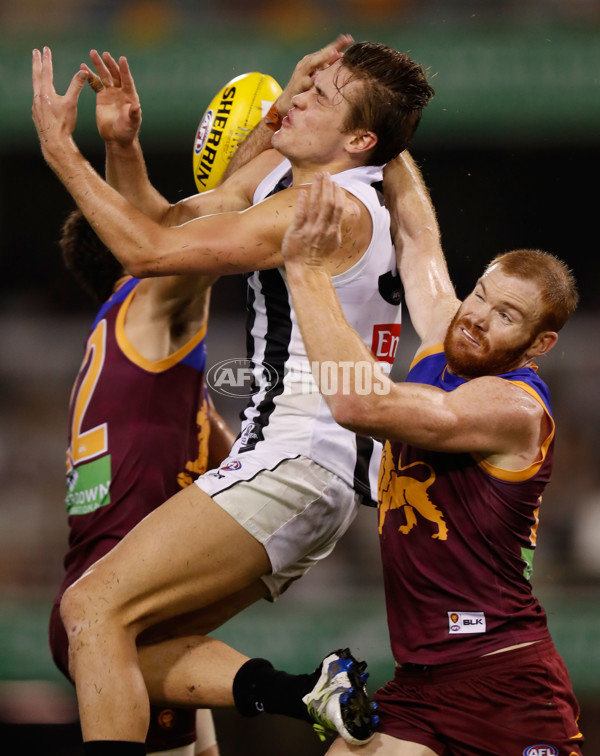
[192,669]
[207,738]
[381,745]
[186,555]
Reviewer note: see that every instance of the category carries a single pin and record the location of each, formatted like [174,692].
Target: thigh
[184,556]
[205,620]
[295,507]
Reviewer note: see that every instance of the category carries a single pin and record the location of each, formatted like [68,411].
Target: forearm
[421,261]
[486,415]
[125,230]
[126,172]
[359,394]
[344,368]
[257,141]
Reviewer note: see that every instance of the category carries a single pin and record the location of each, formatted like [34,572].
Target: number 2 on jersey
[90,443]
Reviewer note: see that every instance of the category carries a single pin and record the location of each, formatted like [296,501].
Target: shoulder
[169,299]
[503,403]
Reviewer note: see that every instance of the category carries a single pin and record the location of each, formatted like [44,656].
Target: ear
[542,344]
[361,142]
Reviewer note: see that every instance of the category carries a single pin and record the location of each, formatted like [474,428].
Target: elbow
[351,412]
[141,269]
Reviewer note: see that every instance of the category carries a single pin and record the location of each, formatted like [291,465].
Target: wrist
[58,152]
[306,271]
[273,118]
[122,149]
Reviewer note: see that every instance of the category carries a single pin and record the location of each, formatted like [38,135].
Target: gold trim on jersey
[513,476]
[434,349]
[516,476]
[134,356]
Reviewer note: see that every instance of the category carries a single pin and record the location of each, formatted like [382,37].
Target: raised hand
[54,115]
[316,231]
[118,109]
[307,67]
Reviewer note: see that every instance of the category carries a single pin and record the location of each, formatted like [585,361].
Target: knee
[74,609]
[85,609]
[89,619]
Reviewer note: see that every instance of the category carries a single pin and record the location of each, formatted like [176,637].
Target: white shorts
[297,509]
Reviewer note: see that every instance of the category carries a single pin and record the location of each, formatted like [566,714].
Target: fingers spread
[113,67]
[36,72]
[300,213]
[104,72]
[77,84]
[126,78]
[47,74]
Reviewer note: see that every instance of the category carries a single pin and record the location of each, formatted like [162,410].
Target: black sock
[114,748]
[258,686]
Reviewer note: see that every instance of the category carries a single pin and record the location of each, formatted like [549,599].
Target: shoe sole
[356,713]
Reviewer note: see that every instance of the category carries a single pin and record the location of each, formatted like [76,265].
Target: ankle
[259,687]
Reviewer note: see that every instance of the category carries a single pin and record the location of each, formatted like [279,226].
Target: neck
[304,174]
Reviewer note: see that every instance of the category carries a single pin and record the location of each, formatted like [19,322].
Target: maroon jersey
[138,432]
[457,540]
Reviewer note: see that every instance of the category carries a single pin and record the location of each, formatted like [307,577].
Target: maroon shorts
[515,703]
[169,727]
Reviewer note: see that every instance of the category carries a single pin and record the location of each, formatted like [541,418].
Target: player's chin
[277,142]
[280,141]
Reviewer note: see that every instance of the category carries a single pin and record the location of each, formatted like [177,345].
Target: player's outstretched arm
[215,246]
[119,117]
[428,290]
[486,415]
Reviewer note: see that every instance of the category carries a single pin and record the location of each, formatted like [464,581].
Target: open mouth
[467,336]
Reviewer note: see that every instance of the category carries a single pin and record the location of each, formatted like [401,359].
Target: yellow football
[233,113]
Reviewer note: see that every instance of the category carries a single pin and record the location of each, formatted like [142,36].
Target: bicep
[234,194]
[483,416]
[221,244]
[428,290]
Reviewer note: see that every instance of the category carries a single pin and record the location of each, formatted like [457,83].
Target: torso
[138,432]
[291,413]
[457,540]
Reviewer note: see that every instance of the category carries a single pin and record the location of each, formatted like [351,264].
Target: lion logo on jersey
[401,491]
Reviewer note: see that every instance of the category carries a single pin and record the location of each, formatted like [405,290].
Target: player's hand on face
[118,109]
[316,231]
[307,67]
[54,115]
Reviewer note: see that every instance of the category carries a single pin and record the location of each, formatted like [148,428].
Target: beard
[469,362]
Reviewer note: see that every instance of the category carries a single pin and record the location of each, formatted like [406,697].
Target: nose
[477,315]
[479,318]
[299,100]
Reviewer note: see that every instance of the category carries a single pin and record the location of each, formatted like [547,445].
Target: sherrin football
[233,113]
